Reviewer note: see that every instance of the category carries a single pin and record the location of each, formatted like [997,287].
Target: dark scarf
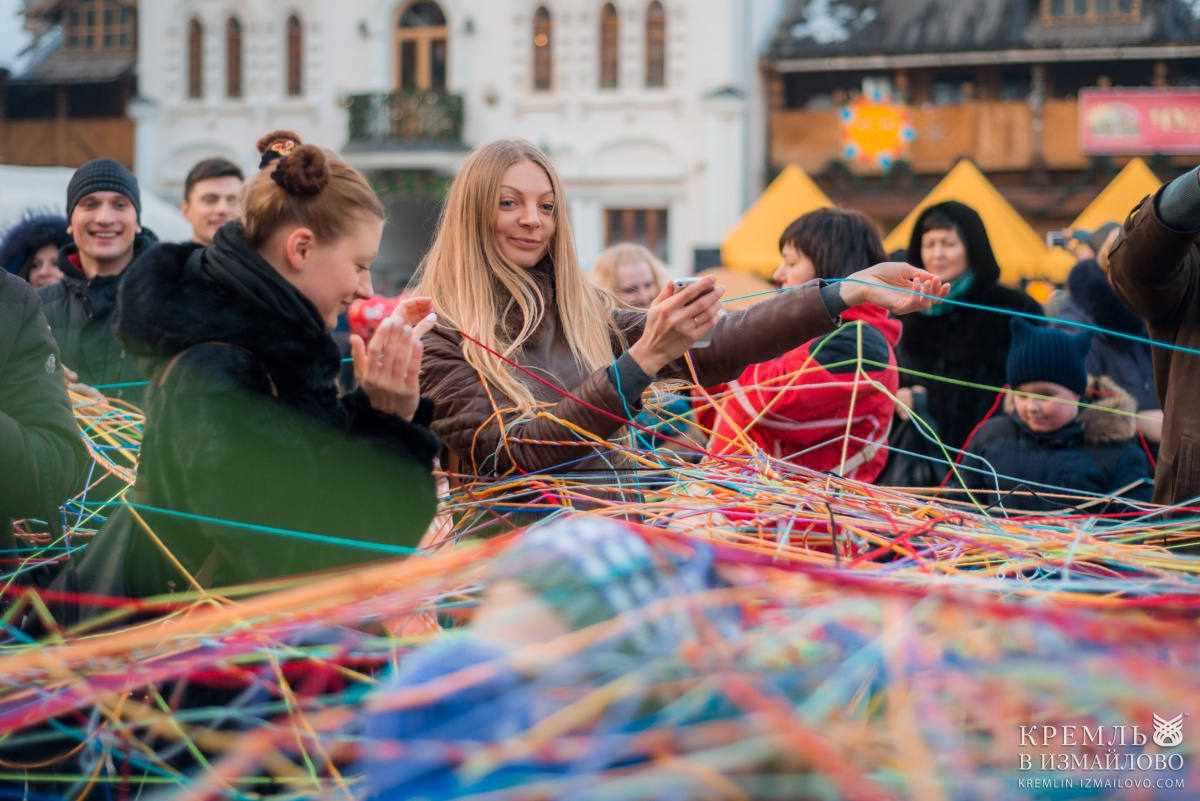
[233,263]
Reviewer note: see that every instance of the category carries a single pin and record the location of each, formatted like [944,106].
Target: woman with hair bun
[252,466]
[533,368]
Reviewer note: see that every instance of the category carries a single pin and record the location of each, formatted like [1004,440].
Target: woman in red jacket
[828,403]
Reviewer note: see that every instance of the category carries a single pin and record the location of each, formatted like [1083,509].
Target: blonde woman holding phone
[533,369]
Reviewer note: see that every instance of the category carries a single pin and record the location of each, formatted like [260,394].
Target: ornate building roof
[814,29]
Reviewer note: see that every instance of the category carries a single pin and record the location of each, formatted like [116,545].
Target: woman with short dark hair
[826,404]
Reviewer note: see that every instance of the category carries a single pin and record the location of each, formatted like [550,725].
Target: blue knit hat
[103,175]
[1040,353]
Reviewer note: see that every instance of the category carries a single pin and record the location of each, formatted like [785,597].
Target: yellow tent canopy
[739,284]
[753,244]
[1113,204]
[1019,250]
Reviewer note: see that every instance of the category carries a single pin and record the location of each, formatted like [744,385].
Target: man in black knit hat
[103,212]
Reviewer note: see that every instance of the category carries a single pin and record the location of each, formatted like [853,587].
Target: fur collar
[168,304]
[1099,423]
[33,232]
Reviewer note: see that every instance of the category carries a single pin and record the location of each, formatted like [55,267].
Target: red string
[971,436]
[691,446]
[1146,448]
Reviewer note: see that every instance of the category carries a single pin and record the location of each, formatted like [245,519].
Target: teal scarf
[958,287]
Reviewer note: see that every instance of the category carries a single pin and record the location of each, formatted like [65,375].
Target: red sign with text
[1141,121]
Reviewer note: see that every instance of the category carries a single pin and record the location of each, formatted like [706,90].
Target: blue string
[966,304]
[1095,328]
[283,532]
[633,432]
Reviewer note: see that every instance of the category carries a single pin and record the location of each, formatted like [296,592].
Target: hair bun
[277,145]
[303,171]
[278,140]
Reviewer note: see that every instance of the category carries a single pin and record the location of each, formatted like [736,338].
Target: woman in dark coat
[1091,299]
[957,342]
[30,248]
[252,466]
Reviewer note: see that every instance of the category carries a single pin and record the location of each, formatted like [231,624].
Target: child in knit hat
[1048,451]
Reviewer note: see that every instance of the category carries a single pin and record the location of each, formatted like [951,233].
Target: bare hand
[411,311]
[71,378]
[388,368]
[675,321]
[891,285]
[905,399]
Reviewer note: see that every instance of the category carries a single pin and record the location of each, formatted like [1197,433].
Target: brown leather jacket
[1156,270]
[467,421]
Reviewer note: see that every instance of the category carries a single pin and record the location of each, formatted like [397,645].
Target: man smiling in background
[211,197]
[103,211]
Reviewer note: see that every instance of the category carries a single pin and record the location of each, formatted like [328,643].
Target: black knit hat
[103,175]
[1040,353]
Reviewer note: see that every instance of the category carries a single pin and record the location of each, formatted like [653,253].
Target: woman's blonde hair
[604,271]
[475,288]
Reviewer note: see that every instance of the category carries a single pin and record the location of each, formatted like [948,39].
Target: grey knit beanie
[103,175]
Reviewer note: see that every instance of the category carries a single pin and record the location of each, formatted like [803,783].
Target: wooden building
[996,81]
[66,102]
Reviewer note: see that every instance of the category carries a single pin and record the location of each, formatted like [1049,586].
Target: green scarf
[958,287]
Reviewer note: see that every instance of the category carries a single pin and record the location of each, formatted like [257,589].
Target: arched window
[195,59]
[542,63]
[295,57]
[656,45]
[608,46]
[421,35]
[233,58]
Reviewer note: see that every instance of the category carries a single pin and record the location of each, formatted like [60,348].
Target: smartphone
[683,283]
[1056,239]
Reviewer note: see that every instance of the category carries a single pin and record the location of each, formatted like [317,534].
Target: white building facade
[650,109]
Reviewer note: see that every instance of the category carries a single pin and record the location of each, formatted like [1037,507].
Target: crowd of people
[506,359]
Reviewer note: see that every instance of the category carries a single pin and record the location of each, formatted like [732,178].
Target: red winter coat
[795,407]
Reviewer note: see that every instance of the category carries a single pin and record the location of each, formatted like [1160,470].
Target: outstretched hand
[898,287]
[388,368]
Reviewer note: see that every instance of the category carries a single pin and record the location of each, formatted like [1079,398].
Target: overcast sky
[12,37]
